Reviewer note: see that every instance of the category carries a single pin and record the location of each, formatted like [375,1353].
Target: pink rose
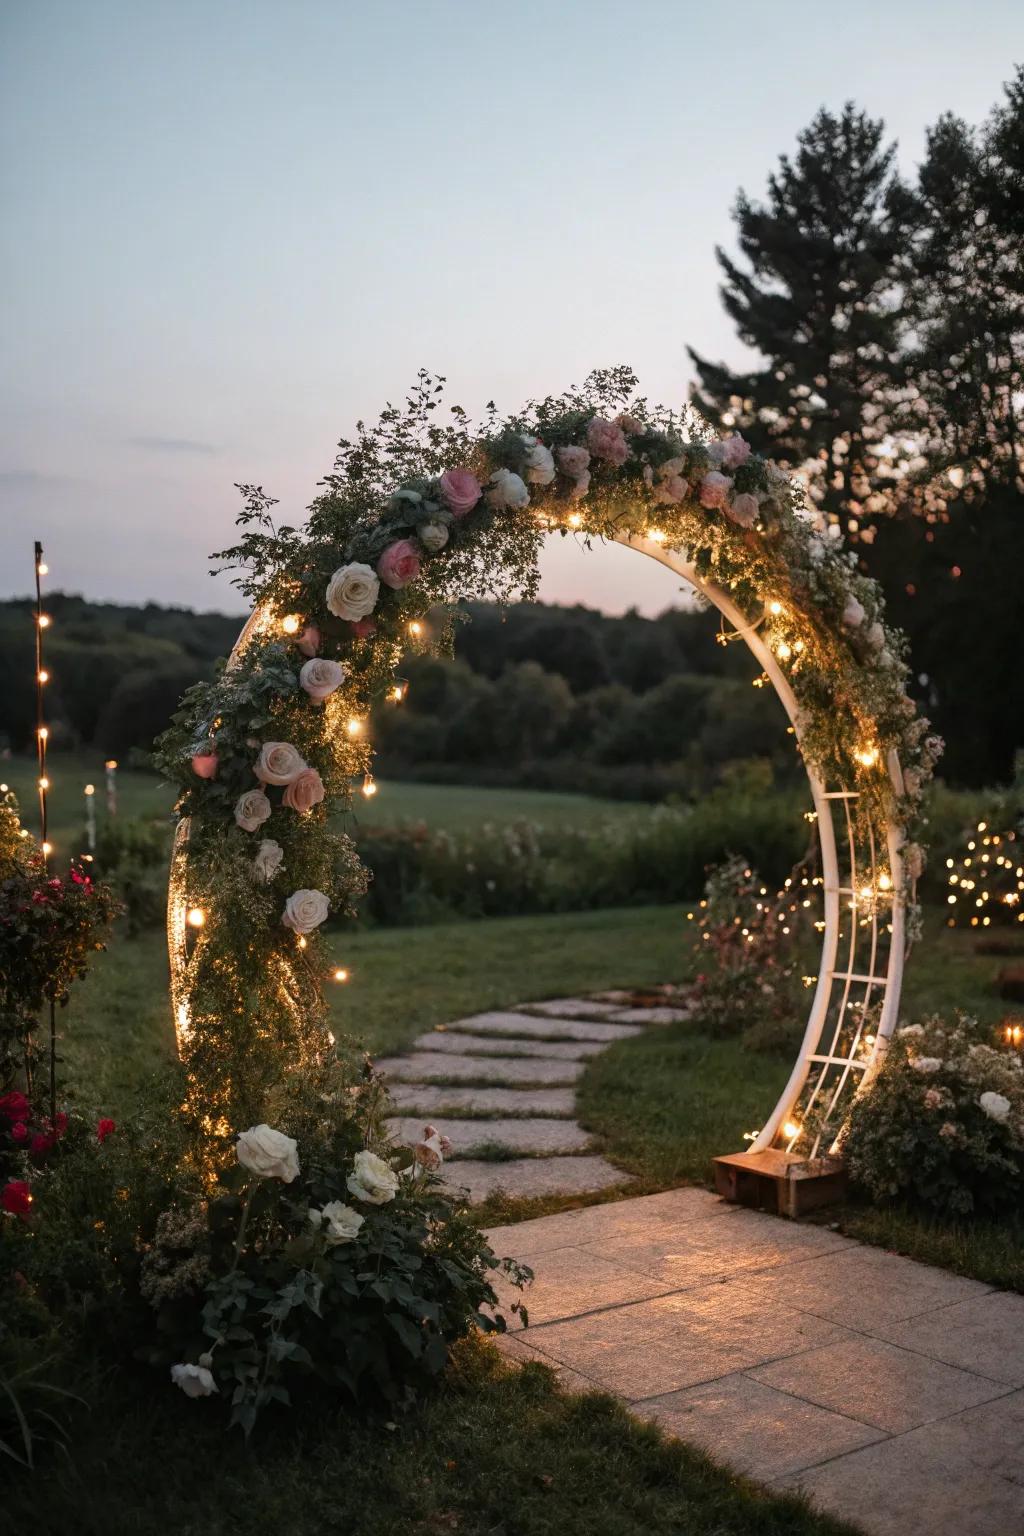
[278,763]
[399,564]
[730,452]
[304,792]
[713,489]
[363,628]
[461,490]
[204,765]
[573,462]
[671,491]
[629,424]
[309,641]
[743,509]
[932,1098]
[606,440]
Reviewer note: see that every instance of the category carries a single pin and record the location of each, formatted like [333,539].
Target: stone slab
[528,1177]
[432,1066]
[571,1282]
[454,1043]
[879,1384]
[678,1339]
[985,1335]
[531,1136]
[528,1026]
[959,1476]
[515,1349]
[863,1287]
[655,1015]
[569,1008]
[756,1429]
[428,1099]
[618,1218]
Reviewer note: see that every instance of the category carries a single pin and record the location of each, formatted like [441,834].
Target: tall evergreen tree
[817,300]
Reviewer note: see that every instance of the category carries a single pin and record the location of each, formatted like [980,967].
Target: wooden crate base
[780,1182]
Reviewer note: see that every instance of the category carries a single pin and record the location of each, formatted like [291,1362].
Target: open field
[455,807]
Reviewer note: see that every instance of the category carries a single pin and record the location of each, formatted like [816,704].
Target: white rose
[305,910]
[912,1029]
[278,763]
[320,677]
[433,536]
[269,855]
[372,1179]
[251,810]
[352,591]
[875,636]
[995,1106]
[342,1222]
[540,463]
[853,613]
[267,1153]
[507,490]
[927,1064]
[194,1380]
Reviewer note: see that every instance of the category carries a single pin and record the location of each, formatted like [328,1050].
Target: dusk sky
[231,227]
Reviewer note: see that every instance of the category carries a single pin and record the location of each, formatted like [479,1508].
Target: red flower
[60,1123]
[41,1143]
[19,1131]
[104,1129]
[15,1105]
[16,1197]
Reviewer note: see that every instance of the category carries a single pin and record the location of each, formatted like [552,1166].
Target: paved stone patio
[892,1393]
[500,1083]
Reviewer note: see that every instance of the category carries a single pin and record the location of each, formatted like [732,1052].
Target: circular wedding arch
[411,519]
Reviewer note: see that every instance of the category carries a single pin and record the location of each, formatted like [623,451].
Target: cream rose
[194,1380]
[341,1222]
[372,1179]
[267,1153]
[269,856]
[507,490]
[352,591]
[574,462]
[540,463]
[251,810]
[320,677]
[305,910]
[278,763]
[996,1106]
[927,1064]
[853,613]
[433,536]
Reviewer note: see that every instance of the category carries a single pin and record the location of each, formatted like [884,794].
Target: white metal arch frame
[839,1054]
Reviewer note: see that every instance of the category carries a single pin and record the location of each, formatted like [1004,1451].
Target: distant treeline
[537,694]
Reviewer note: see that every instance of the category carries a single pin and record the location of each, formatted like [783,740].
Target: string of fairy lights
[987,884]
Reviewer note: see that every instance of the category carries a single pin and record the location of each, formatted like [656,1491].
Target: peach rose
[399,564]
[461,491]
[304,792]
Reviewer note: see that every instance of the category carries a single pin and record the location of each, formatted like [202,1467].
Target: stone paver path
[892,1393]
[499,1085]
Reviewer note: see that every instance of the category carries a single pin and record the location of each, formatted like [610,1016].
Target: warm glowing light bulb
[884,883]
[415,629]
[44,621]
[43,733]
[302,941]
[775,608]
[656,536]
[290,623]
[575,519]
[196,917]
[354,726]
[90,789]
[44,783]
[110,763]
[47,848]
[43,568]
[784,651]
[43,675]
[867,756]
[790,1130]
[398,693]
[369,786]
[341,974]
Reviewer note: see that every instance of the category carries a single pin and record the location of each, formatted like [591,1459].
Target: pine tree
[817,299]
